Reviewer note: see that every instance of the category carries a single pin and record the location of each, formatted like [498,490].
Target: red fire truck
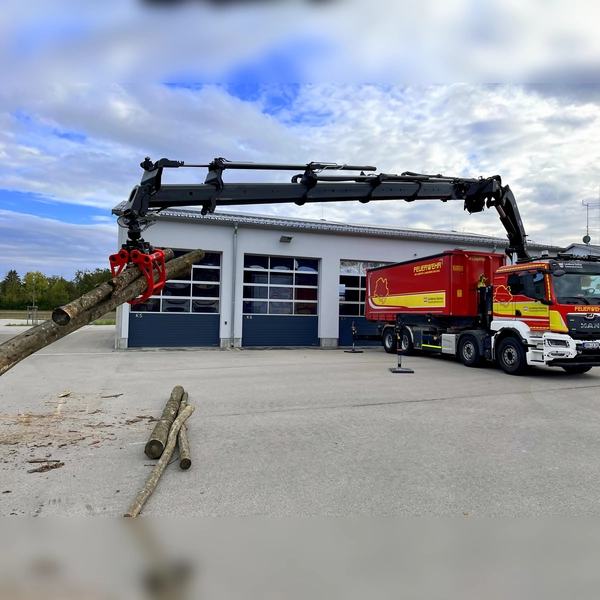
[474,306]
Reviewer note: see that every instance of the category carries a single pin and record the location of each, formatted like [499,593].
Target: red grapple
[149,264]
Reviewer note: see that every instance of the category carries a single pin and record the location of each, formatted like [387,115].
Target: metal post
[400,369]
[354,350]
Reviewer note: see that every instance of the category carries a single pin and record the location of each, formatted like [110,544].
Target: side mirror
[558,273]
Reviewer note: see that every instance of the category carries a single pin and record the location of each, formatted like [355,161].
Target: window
[198,293]
[280,285]
[353,285]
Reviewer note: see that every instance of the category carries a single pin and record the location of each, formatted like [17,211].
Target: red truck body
[443,284]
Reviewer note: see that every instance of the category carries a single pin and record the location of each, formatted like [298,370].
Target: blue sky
[291,92]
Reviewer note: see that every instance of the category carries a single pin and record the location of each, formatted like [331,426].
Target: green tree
[58,293]
[36,283]
[86,281]
[12,292]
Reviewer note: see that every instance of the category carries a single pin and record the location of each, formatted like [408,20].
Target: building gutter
[233,290]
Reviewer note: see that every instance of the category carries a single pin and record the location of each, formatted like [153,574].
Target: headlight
[556,343]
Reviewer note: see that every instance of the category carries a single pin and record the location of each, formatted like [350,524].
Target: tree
[12,293]
[58,293]
[86,281]
[36,283]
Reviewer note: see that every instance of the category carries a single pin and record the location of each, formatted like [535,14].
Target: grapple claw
[149,264]
[118,262]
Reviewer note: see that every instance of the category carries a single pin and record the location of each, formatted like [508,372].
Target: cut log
[185,457]
[136,506]
[158,438]
[40,336]
[63,314]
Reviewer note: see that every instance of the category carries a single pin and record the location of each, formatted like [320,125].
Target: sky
[88,94]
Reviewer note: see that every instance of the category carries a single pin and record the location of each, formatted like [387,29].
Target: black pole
[399,368]
[354,350]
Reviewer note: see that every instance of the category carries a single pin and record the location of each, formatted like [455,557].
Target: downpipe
[233,283]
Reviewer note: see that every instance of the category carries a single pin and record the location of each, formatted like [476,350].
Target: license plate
[591,345]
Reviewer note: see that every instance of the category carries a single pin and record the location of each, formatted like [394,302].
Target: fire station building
[272,281]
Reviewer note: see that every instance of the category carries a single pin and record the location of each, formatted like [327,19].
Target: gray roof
[332,227]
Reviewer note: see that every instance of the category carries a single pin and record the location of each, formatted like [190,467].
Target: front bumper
[562,350]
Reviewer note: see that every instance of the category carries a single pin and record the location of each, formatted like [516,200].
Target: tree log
[63,314]
[185,458]
[136,506]
[40,336]
[158,438]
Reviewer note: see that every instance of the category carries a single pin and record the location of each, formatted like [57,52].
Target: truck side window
[515,283]
[527,284]
[533,285]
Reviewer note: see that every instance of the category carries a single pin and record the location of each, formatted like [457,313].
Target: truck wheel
[389,340]
[576,370]
[511,356]
[468,351]
[406,341]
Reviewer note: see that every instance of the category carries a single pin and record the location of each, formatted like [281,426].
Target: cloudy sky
[69,152]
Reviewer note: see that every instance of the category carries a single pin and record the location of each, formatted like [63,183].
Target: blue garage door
[267,330]
[280,301]
[152,330]
[184,313]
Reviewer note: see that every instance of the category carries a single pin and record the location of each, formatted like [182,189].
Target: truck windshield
[577,288]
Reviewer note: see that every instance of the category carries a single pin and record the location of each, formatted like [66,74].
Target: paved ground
[296,432]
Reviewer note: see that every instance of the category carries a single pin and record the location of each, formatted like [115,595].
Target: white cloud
[30,243]
[541,140]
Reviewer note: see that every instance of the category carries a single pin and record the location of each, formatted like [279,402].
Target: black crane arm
[313,184]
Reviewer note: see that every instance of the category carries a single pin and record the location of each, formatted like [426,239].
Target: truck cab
[553,307]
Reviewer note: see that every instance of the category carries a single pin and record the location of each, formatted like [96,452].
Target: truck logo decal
[502,295]
[435,267]
[381,289]
[587,308]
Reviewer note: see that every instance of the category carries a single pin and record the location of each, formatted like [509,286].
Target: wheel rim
[388,340]
[469,350]
[405,341]
[509,356]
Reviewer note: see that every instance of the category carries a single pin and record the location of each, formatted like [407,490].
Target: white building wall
[329,248]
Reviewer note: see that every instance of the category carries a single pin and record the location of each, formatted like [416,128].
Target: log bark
[185,458]
[63,314]
[40,336]
[136,506]
[158,438]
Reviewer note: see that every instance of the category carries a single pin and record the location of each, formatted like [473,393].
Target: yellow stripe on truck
[528,309]
[556,322]
[430,299]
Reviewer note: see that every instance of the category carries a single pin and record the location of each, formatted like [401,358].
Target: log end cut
[154,449]
[61,317]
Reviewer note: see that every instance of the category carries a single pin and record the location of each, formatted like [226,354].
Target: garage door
[280,301]
[185,313]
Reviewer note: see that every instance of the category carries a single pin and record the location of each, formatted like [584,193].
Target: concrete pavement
[296,432]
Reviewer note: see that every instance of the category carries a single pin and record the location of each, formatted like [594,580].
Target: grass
[45,315]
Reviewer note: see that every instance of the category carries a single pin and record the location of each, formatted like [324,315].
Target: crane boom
[313,184]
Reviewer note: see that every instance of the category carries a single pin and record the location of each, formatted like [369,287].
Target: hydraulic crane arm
[310,185]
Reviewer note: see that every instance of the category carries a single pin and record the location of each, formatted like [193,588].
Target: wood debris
[47,467]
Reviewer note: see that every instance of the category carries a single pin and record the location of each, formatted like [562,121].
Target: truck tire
[511,356]
[576,370]
[406,341]
[468,351]
[389,340]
